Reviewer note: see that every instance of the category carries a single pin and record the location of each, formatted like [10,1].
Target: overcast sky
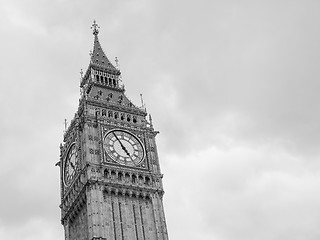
[232,86]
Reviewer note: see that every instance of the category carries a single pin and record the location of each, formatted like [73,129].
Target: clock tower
[111,184]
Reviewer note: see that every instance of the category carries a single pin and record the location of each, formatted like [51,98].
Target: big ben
[111,183]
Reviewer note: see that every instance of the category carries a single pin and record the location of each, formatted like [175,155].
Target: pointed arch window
[134,119]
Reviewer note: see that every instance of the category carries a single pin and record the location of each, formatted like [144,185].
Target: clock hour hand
[72,165]
[124,149]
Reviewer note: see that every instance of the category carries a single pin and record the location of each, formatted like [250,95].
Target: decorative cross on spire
[95,28]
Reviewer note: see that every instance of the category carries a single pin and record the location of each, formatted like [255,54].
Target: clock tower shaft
[111,183]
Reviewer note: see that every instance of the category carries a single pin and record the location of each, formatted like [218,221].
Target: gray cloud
[231,86]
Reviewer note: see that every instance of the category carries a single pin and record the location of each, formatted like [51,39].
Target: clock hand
[132,161]
[72,165]
[123,147]
[125,150]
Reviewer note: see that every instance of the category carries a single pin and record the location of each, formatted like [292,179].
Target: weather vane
[95,27]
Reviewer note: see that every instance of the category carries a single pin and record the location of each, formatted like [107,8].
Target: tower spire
[98,57]
[99,60]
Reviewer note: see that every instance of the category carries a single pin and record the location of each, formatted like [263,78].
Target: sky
[232,86]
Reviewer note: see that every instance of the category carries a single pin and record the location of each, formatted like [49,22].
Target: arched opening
[134,120]
[147,181]
[127,176]
[106,173]
[113,175]
[105,195]
[140,179]
[134,179]
[120,176]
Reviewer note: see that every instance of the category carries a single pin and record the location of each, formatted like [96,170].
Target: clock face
[71,165]
[124,148]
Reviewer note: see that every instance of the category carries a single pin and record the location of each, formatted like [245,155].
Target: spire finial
[117,62]
[141,100]
[65,124]
[150,120]
[81,78]
[95,27]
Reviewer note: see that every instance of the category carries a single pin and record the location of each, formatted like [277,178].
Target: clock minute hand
[123,147]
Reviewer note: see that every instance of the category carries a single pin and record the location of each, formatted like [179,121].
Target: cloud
[241,193]
[232,87]
[251,61]
[32,229]
[29,178]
